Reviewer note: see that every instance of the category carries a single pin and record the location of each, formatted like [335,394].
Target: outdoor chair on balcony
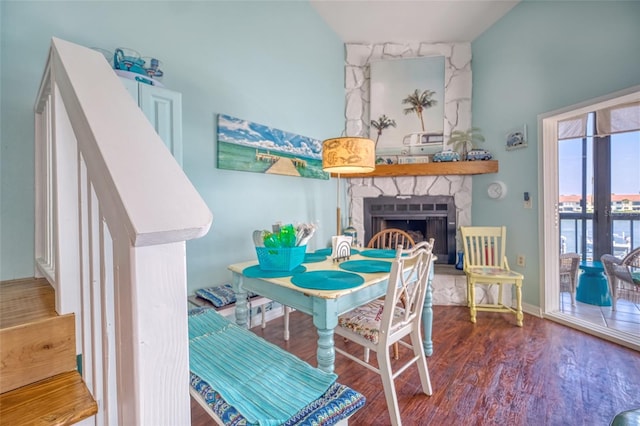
[569,263]
[623,276]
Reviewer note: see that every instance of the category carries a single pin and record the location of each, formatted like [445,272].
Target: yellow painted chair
[485,263]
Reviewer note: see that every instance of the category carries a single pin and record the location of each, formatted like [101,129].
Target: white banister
[113,212]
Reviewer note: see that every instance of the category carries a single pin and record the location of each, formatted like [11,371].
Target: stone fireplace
[449,284]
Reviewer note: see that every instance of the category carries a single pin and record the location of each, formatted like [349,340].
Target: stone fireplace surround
[449,284]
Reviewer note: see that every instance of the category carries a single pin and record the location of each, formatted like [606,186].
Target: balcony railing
[575,233]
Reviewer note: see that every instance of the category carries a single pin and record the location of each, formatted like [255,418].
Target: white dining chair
[383,322]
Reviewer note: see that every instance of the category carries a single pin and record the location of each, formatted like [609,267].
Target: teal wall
[540,57]
[275,63]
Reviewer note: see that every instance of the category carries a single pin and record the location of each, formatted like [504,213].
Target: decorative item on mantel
[465,140]
[347,155]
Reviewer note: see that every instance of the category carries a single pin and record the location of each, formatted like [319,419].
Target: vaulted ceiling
[377,21]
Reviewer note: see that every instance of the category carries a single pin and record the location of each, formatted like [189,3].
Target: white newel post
[113,212]
[154,353]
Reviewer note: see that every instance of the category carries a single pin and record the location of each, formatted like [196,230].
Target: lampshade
[348,155]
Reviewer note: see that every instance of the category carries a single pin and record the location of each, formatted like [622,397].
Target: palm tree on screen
[382,123]
[419,102]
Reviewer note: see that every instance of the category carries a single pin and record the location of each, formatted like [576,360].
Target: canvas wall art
[407,106]
[252,147]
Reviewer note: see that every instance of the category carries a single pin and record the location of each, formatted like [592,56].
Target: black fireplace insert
[422,216]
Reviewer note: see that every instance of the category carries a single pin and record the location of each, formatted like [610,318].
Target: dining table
[325,289]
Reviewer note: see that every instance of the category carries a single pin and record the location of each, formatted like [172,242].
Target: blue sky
[625,168]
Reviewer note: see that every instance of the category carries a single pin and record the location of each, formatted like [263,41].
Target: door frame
[549,215]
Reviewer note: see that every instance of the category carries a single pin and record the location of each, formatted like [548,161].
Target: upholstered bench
[223,299]
[241,379]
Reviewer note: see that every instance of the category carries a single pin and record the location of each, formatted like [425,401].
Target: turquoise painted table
[593,287]
[323,305]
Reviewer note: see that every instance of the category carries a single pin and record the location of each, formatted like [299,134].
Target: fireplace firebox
[423,217]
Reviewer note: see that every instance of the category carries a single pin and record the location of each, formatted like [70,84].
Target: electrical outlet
[520,260]
[527,204]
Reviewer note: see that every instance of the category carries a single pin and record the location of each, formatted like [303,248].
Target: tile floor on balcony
[625,318]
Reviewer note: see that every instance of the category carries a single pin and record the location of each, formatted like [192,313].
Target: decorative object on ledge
[517,138]
[465,140]
[252,147]
[347,155]
[446,156]
[477,154]
[430,169]
[340,248]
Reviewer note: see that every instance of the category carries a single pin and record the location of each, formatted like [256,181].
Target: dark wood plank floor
[490,373]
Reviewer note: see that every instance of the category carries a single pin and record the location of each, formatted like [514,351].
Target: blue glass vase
[460,264]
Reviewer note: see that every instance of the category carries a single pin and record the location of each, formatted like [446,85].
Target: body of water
[621,233]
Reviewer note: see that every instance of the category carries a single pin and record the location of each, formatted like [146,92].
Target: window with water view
[599,184]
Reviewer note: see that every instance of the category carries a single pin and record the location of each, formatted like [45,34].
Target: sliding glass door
[599,192]
[590,205]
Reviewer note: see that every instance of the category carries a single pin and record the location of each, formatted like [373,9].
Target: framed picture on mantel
[407,106]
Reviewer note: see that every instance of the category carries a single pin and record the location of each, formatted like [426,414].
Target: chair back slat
[407,288]
[391,238]
[484,245]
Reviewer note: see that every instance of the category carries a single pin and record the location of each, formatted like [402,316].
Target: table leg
[242,310]
[325,319]
[326,353]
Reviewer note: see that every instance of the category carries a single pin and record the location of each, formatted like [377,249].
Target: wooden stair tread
[59,400]
[25,300]
[34,351]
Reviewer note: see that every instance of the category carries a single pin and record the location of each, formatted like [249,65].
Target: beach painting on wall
[251,147]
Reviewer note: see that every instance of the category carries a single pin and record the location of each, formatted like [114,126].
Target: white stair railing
[113,212]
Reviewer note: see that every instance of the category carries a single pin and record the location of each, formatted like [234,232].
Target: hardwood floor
[489,373]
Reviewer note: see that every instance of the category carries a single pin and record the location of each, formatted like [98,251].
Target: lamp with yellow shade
[347,155]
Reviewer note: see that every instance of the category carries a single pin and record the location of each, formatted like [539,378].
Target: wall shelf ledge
[430,169]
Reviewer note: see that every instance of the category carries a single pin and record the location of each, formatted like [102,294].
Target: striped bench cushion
[328,404]
[337,403]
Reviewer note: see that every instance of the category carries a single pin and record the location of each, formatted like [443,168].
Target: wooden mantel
[430,169]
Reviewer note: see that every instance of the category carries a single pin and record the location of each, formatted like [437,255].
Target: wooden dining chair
[383,322]
[485,263]
[391,238]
